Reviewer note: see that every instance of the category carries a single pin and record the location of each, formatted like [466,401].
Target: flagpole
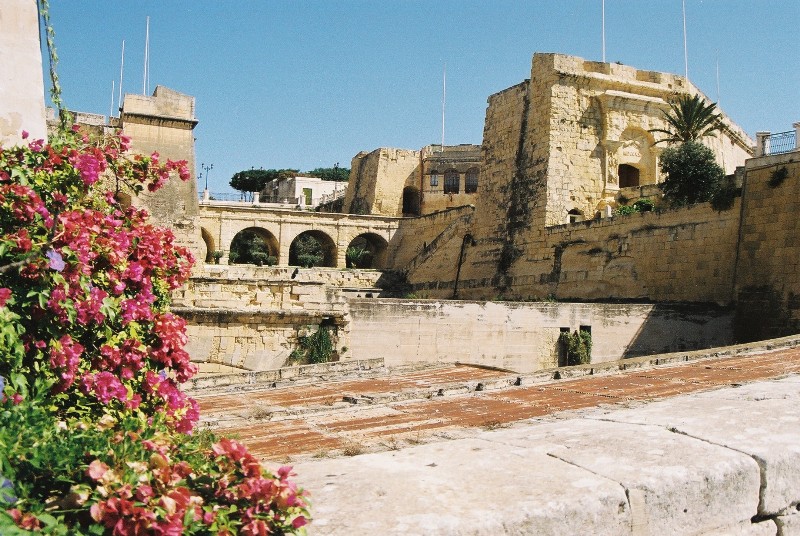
[685,51]
[604,31]
[444,99]
[146,89]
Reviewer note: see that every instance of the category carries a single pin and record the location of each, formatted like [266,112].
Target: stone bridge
[221,221]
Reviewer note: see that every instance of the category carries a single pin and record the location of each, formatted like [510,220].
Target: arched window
[628,176]
[471,181]
[434,178]
[451,179]
[574,216]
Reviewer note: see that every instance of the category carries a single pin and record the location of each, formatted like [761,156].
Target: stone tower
[164,123]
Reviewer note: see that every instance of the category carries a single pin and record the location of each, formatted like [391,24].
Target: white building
[307,192]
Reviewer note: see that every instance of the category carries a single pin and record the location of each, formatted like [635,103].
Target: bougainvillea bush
[95,433]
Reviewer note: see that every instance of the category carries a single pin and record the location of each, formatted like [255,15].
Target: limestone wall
[768,267]
[523,337]
[258,288]
[21,83]
[417,237]
[251,317]
[686,254]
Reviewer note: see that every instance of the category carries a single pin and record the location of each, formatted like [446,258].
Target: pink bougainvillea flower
[5,295]
[97,470]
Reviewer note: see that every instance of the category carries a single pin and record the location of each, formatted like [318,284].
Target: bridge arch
[313,248]
[367,250]
[254,245]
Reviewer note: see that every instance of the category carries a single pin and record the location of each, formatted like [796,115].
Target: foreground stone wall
[768,267]
[251,317]
[523,337]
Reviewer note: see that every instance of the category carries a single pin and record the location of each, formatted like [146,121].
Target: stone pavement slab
[761,420]
[634,471]
[464,487]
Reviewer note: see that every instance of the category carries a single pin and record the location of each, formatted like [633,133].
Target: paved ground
[399,410]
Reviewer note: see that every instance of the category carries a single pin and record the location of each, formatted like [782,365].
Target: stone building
[402,182]
[575,136]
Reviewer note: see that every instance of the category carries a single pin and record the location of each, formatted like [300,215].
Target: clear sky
[310,83]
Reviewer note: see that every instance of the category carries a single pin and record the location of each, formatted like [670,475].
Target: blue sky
[309,83]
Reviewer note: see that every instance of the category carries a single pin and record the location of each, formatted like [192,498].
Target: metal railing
[227,196]
[779,143]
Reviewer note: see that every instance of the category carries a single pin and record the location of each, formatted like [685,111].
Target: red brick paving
[323,430]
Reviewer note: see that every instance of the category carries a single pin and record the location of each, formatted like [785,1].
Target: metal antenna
[145,81]
[111,109]
[121,70]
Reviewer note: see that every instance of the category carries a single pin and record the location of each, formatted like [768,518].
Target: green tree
[331,174]
[693,176]
[306,251]
[254,180]
[689,119]
[249,248]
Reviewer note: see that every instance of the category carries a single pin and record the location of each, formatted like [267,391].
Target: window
[434,178]
[410,201]
[574,216]
[471,181]
[628,176]
[451,179]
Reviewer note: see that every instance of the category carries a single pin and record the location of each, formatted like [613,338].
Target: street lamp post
[206,168]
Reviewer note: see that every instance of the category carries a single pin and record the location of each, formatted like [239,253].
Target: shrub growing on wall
[578,346]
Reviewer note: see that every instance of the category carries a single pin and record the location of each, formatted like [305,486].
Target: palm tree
[690,119]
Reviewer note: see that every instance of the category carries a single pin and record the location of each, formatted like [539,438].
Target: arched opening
[367,250]
[411,201]
[312,248]
[574,216]
[208,241]
[254,245]
[628,176]
[451,179]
